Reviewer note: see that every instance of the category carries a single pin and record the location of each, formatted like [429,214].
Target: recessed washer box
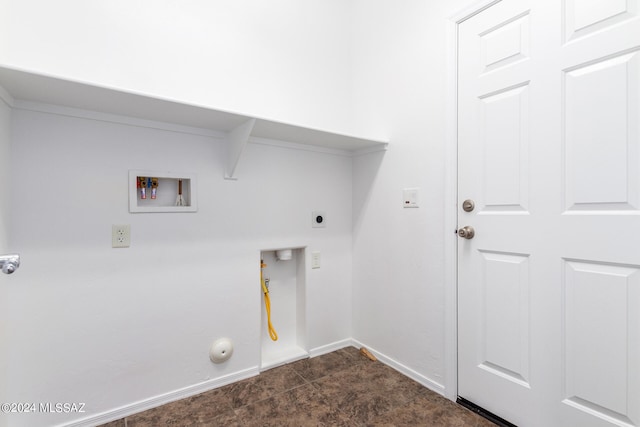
[165,197]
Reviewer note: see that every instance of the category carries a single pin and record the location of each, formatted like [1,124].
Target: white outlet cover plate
[315,259]
[410,197]
[120,236]
[318,219]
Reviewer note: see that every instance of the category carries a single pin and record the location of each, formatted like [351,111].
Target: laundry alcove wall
[287,292]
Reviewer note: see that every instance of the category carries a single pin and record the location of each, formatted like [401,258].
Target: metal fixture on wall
[9,263]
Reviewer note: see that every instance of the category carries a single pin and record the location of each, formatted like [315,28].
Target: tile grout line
[305,382]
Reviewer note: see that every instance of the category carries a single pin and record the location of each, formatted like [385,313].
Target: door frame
[451,196]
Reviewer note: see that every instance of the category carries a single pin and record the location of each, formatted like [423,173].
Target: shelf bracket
[236,141]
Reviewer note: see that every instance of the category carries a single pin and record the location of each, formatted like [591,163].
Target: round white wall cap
[221,350]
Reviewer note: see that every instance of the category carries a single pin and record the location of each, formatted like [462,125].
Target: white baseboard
[153,402]
[405,370]
[143,405]
[328,348]
[290,355]
[425,381]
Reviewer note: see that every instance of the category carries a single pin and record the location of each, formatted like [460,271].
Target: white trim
[317,148]
[470,11]
[6,97]
[183,393]
[337,345]
[450,389]
[296,353]
[298,146]
[114,118]
[405,370]
[368,150]
[60,110]
[153,402]
[451,219]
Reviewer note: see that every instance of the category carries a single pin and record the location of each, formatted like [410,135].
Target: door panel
[504,119]
[601,305]
[601,135]
[549,150]
[505,316]
[506,43]
[584,17]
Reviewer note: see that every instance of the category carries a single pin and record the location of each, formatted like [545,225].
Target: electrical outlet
[315,259]
[120,236]
[318,219]
[410,197]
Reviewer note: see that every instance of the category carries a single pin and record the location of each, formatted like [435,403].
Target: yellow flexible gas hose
[267,304]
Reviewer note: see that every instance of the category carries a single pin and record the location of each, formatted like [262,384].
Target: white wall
[5,281]
[281,59]
[400,60]
[5,172]
[287,61]
[110,327]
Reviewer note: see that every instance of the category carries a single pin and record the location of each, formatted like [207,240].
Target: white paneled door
[549,151]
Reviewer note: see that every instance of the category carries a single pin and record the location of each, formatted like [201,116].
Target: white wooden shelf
[239,128]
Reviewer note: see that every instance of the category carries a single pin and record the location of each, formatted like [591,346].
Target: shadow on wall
[365,172]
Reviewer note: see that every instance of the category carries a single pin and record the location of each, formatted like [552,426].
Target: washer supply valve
[142,185]
[154,187]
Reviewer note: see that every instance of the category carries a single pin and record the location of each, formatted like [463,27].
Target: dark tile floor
[341,388]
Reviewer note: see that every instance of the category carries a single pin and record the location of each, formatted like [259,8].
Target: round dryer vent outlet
[221,350]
